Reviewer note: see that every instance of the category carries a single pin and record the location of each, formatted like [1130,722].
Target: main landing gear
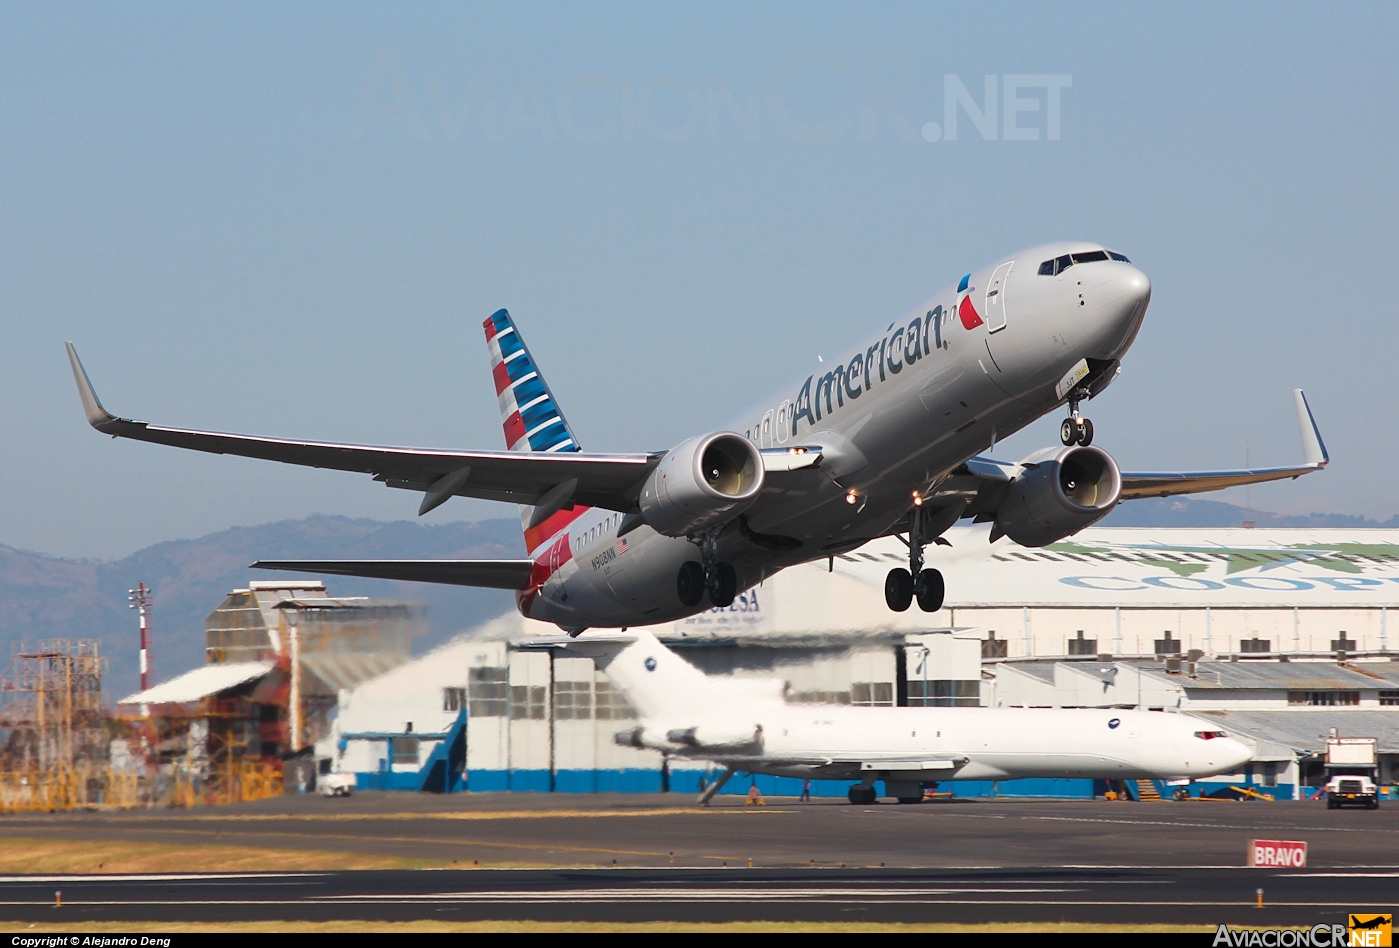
[902,586]
[1076,429]
[709,575]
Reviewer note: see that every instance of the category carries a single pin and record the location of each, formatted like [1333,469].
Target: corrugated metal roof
[201,683]
[1388,672]
[1310,676]
[347,669]
[1306,730]
[1044,671]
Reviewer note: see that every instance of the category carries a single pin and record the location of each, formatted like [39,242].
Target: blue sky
[291,220]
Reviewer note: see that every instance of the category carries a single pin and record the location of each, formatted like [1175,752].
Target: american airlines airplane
[745,725]
[884,439]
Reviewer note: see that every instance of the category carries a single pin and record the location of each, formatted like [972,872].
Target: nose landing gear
[902,586]
[1076,429]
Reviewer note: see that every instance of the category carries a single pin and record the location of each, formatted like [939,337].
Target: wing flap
[491,574]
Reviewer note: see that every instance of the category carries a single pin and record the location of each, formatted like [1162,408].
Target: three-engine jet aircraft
[745,725]
[882,440]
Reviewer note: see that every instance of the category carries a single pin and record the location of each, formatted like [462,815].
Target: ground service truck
[1352,765]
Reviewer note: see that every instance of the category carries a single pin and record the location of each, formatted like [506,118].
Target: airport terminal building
[1276,636]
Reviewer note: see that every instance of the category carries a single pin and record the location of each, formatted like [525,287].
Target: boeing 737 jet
[746,725]
[884,439]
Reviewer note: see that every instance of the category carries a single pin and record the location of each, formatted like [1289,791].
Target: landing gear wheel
[898,593]
[1068,432]
[689,583]
[861,795]
[930,590]
[725,586]
[1180,794]
[1085,432]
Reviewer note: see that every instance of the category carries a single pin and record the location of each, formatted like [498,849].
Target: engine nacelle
[1058,492]
[717,737]
[699,738]
[704,482]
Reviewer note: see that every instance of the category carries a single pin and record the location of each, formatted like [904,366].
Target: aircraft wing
[980,483]
[492,574]
[610,481]
[1314,458]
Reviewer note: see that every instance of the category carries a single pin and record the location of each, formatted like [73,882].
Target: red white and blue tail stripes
[528,412]
[532,422]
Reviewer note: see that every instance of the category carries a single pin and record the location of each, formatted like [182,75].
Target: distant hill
[1186,512]
[47,597]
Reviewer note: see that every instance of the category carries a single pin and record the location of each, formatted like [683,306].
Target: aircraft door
[995,308]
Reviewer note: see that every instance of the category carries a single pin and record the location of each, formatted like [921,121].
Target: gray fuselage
[892,415]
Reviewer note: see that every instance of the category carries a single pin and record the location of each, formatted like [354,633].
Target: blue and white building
[1274,635]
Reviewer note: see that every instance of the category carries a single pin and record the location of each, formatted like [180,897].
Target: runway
[1113,896]
[551,858]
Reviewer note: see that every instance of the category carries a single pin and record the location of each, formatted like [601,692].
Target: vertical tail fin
[660,684]
[528,410]
[529,414]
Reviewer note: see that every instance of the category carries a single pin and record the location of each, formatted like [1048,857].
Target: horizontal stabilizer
[492,574]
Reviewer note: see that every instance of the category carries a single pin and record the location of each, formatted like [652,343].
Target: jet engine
[1057,493]
[700,737]
[717,738]
[704,482]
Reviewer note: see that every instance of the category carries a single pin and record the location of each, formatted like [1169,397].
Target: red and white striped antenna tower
[141,601]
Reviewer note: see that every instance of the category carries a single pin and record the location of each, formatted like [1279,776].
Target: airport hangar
[1276,636]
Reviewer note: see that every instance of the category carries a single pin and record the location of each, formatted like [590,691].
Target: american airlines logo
[901,347]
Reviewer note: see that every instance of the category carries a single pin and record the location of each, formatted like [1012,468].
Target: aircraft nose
[1121,306]
[1125,292]
[1233,755]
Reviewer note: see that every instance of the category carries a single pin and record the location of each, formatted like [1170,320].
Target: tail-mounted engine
[704,482]
[1057,493]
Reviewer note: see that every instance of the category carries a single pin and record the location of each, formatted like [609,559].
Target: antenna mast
[141,601]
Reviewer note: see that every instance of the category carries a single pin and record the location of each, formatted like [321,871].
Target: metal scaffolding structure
[53,740]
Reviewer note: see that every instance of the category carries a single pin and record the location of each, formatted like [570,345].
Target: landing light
[917,499]
[850,497]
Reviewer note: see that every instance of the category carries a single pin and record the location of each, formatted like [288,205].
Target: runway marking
[1290,827]
[494,815]
[439,841]
[726,896]
[162,877]
[682,895]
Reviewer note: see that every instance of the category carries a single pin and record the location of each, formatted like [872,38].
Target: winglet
[97,416]
[1313,448]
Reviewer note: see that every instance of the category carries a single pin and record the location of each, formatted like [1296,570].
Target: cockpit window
[1210,735]
[1060,264]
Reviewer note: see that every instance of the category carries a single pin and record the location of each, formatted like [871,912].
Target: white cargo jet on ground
[884,439]
[745,725]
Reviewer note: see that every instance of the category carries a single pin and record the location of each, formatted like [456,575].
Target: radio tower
[141,601]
